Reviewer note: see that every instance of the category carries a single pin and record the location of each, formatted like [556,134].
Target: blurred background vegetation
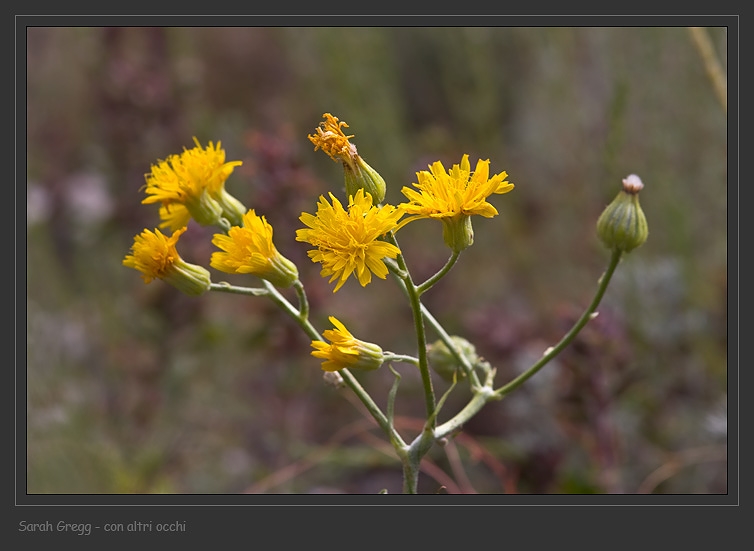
[135,388]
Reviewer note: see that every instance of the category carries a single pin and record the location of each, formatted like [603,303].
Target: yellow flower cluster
[192,184]
[346,240]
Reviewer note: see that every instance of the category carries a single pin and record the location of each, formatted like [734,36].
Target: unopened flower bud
[445,363]
[622,225]
[233,209]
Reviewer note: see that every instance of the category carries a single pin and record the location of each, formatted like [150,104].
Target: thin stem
[480,398]
[224,224]
[373,408]
[566,340]
[421,337]
[225,287]
[391,400]
[450,343]
[422,288]
[390,357]
[303,311]
[703,44]
[400,272]
[348,378]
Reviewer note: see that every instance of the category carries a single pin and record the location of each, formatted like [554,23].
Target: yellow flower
[248,249]
[357,172]
[195,179]
[155,256]
[174,216]
[347,241]
[452,196]
[345,350]
[445,194]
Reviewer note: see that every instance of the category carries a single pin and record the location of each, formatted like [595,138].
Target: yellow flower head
[248,249]
[155,256]
[333,141]
[453,197]
[444,194]
[194,179]
[347,241]
[345,350]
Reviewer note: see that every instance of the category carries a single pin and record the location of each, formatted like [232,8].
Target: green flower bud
[457,232]
[359,175]
[204,209]
[233,209]
[188,278]
[445,364]
[622,225]
[281,272]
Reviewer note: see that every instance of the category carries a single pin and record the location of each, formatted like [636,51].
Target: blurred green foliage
[133,388]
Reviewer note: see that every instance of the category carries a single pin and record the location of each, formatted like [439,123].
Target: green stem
[450,343]
[301,318]
[348,378]
[484,394]
[224,287]
[714,69]
[480,398]
[411,475]
[566,340]
[421,337]
[422,288]
[303,311]
[390,357]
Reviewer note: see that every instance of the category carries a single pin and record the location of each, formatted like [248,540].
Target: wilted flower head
[357,172]
[331,139]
